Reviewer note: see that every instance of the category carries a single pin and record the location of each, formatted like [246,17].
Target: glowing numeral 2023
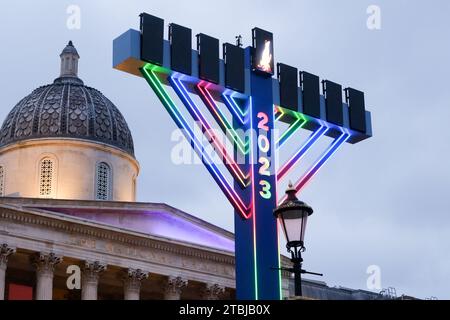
[264,162]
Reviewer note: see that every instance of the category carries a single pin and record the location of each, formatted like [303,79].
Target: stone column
[5,252]
[213,292]
[174,288]
[45,266]
[132,283]
[89,279]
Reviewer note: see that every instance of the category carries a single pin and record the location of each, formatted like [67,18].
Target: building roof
[70,48]
[151,219]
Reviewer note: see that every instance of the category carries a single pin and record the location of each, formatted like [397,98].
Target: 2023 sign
[263,155]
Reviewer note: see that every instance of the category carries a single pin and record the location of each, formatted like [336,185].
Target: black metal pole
[297,260]
[298,279]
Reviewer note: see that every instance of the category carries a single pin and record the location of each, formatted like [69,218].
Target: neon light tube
[229,162]
[221,119]
[301,152]
[235,108]
[173,111]
[252,157]
[293,128]
[280,281]
[335,145]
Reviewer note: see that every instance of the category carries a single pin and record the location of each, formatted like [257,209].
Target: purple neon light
[335,145]
[301,152]
[171,107]
[232,166]
[235,108]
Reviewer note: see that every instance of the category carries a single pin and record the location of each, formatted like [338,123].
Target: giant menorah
[239,95]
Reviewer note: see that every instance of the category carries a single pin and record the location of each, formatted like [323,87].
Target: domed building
[69,224]
[66,140]
[67,205]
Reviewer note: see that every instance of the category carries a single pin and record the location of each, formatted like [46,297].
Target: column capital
[92,270]
[5,252]
[135,274]
[45,262]
[133,277]
[89,279]
[175,286]
[213,291]
[45,266]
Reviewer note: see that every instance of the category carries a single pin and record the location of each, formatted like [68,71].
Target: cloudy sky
[383,202]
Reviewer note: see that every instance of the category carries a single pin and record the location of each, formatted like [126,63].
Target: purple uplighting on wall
[156,223]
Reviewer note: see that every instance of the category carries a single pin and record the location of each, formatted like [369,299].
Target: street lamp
[293,215]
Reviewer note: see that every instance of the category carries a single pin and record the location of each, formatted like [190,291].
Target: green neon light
[252,156]
[237,109]
[169,104]
[280,114]
[244,147]
[230,163]
[299,123]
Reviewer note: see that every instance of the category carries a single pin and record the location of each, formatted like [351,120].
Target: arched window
[46,169]
[103,182]
[2,181]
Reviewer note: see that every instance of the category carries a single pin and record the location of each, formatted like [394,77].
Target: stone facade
[114,262]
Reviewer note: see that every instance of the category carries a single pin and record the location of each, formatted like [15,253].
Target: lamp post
[293,215]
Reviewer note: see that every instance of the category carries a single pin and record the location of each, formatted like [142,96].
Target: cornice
[130,238]
[49,204]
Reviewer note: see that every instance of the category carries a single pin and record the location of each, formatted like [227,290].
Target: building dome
[67,141]
[67,109]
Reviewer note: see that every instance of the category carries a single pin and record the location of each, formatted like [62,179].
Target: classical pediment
[156,220]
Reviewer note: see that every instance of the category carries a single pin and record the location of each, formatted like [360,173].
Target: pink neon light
[332,149]
[230,193]
[229,161]
[289,165]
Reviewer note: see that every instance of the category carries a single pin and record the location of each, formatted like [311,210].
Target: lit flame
[266,59]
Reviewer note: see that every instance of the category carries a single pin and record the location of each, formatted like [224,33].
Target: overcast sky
[382,202]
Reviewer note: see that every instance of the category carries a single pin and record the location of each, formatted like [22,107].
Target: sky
[383,202]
